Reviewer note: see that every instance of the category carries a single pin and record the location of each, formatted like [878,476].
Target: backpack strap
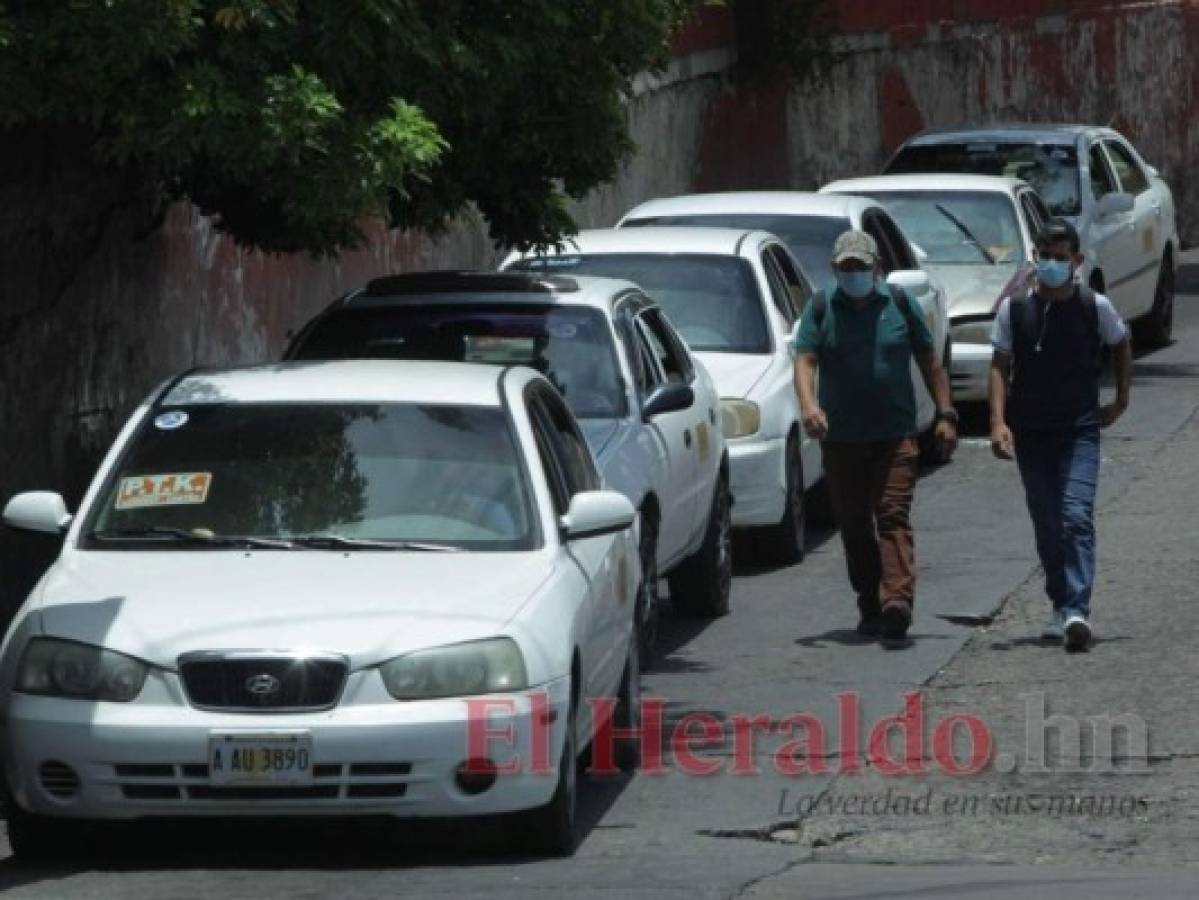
[1087,297]
[903,300]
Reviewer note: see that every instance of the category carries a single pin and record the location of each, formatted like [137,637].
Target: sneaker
[897,616]
[1055,628]
[1078,632]
[870,626]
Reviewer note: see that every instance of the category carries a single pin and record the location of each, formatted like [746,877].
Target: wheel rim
[725,542]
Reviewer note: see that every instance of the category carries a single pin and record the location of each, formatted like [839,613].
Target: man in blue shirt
[862,341]
[1044,396]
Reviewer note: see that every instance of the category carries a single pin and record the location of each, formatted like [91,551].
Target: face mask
[857,285]
[1054,273]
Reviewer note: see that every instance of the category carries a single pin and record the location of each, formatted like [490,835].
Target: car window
[712,299]
[569,448]
[1102,182]
[1039,206]
[1051,168]
[633,345]
[1032,216]
[872,226]
[436,473]
[904,258]
[797,285]
[551,465]
[1128,171]
[669,361]
[780,296]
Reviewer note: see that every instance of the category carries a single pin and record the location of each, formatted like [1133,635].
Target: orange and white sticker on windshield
[175,489]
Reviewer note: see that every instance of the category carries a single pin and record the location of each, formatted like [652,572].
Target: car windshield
[809,238]
[712,301]
[571,345]
[958,227]
[1050,168]
[208,475]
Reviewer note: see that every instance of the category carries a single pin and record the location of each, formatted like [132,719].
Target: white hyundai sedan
[735,297]
[323,589]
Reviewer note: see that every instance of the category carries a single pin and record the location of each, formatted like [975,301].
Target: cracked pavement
[789,647]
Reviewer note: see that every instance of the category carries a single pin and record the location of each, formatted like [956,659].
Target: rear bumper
[970,367]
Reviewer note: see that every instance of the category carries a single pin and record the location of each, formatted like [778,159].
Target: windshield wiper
[338,542]
[966,232]
[182,535]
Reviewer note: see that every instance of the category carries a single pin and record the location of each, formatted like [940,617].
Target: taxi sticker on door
[704,436]
[173,489]
[1147,241]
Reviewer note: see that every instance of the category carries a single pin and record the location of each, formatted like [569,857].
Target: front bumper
[970,369]
[757,480]
[151,759]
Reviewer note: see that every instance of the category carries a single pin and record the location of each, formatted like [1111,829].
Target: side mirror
[42,511]
[596,513]
[667,399]
[915,281]
[1113,204]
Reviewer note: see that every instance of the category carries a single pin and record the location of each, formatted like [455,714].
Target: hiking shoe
[1078,633]
[897,616]
[870,626]
[1055,628]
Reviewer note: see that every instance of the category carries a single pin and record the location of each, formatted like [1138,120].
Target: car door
[570,470]
[1145,221]
[1112,238]
[677,433]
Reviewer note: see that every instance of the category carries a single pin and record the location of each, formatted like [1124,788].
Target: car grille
[330,781]
[243,683]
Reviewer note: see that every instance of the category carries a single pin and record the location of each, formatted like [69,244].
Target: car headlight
[739,418]
[458,670]
[56,668]
[976,332]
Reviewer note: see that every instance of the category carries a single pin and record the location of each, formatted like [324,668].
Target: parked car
[1122,208]
[735,298]
[809,224]
[977,236]
[288,588]
[649,410]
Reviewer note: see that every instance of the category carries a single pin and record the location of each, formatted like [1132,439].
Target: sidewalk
[1144,663]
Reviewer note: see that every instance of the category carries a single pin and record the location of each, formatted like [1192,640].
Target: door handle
[687,436]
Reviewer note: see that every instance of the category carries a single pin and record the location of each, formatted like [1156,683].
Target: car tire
[701,585]
[785,542]
[627,716]
[35,838]
[1155,329]
[552,829]
[649,609]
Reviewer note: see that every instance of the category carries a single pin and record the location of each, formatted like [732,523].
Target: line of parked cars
[307,587]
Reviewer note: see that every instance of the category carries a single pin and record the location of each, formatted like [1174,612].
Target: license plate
[260,758]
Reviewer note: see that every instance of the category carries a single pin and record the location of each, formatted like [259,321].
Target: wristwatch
[948,415]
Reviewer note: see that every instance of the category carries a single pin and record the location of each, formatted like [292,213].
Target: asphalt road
[788,647]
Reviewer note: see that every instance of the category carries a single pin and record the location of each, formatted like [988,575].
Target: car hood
[598,433]
[973,290]
[735,374]
[369,605]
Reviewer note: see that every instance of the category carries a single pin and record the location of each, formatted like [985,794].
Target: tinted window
[1032,215]
[1102,182]
[958,227]
[712,300]
[809,238]
[797,285]
[778,287]
[1132,179]
[571,345]
[574,459]
[665,353]
[1052,169]
[392,472]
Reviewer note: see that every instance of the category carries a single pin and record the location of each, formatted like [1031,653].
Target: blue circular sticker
[169,421]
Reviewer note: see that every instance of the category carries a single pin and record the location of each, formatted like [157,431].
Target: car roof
[492,287]
[926,182]
[796,203]
[1007,132]
[662,240]
[345,381]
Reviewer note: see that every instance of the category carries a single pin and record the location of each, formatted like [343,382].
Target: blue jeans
[1060,471]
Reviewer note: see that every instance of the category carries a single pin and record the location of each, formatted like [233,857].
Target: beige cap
[855,245]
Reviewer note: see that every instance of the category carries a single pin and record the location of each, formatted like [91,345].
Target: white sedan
[324,589]
[977,234]
[735,297]
[809,224]
[649,410]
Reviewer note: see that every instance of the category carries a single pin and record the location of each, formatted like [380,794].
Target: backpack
[1102,353]
[819,306]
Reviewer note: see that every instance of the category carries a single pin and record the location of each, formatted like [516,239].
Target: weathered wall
[104,295]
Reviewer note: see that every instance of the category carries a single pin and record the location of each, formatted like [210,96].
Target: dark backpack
[1086,296]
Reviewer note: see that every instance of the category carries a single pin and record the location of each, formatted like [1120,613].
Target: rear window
[1050,168]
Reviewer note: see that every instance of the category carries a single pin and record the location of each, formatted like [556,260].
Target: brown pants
[870,486]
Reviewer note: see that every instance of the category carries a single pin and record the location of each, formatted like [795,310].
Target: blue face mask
[857,285]
[1054,273]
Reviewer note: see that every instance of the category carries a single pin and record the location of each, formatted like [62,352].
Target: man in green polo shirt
[862,341]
